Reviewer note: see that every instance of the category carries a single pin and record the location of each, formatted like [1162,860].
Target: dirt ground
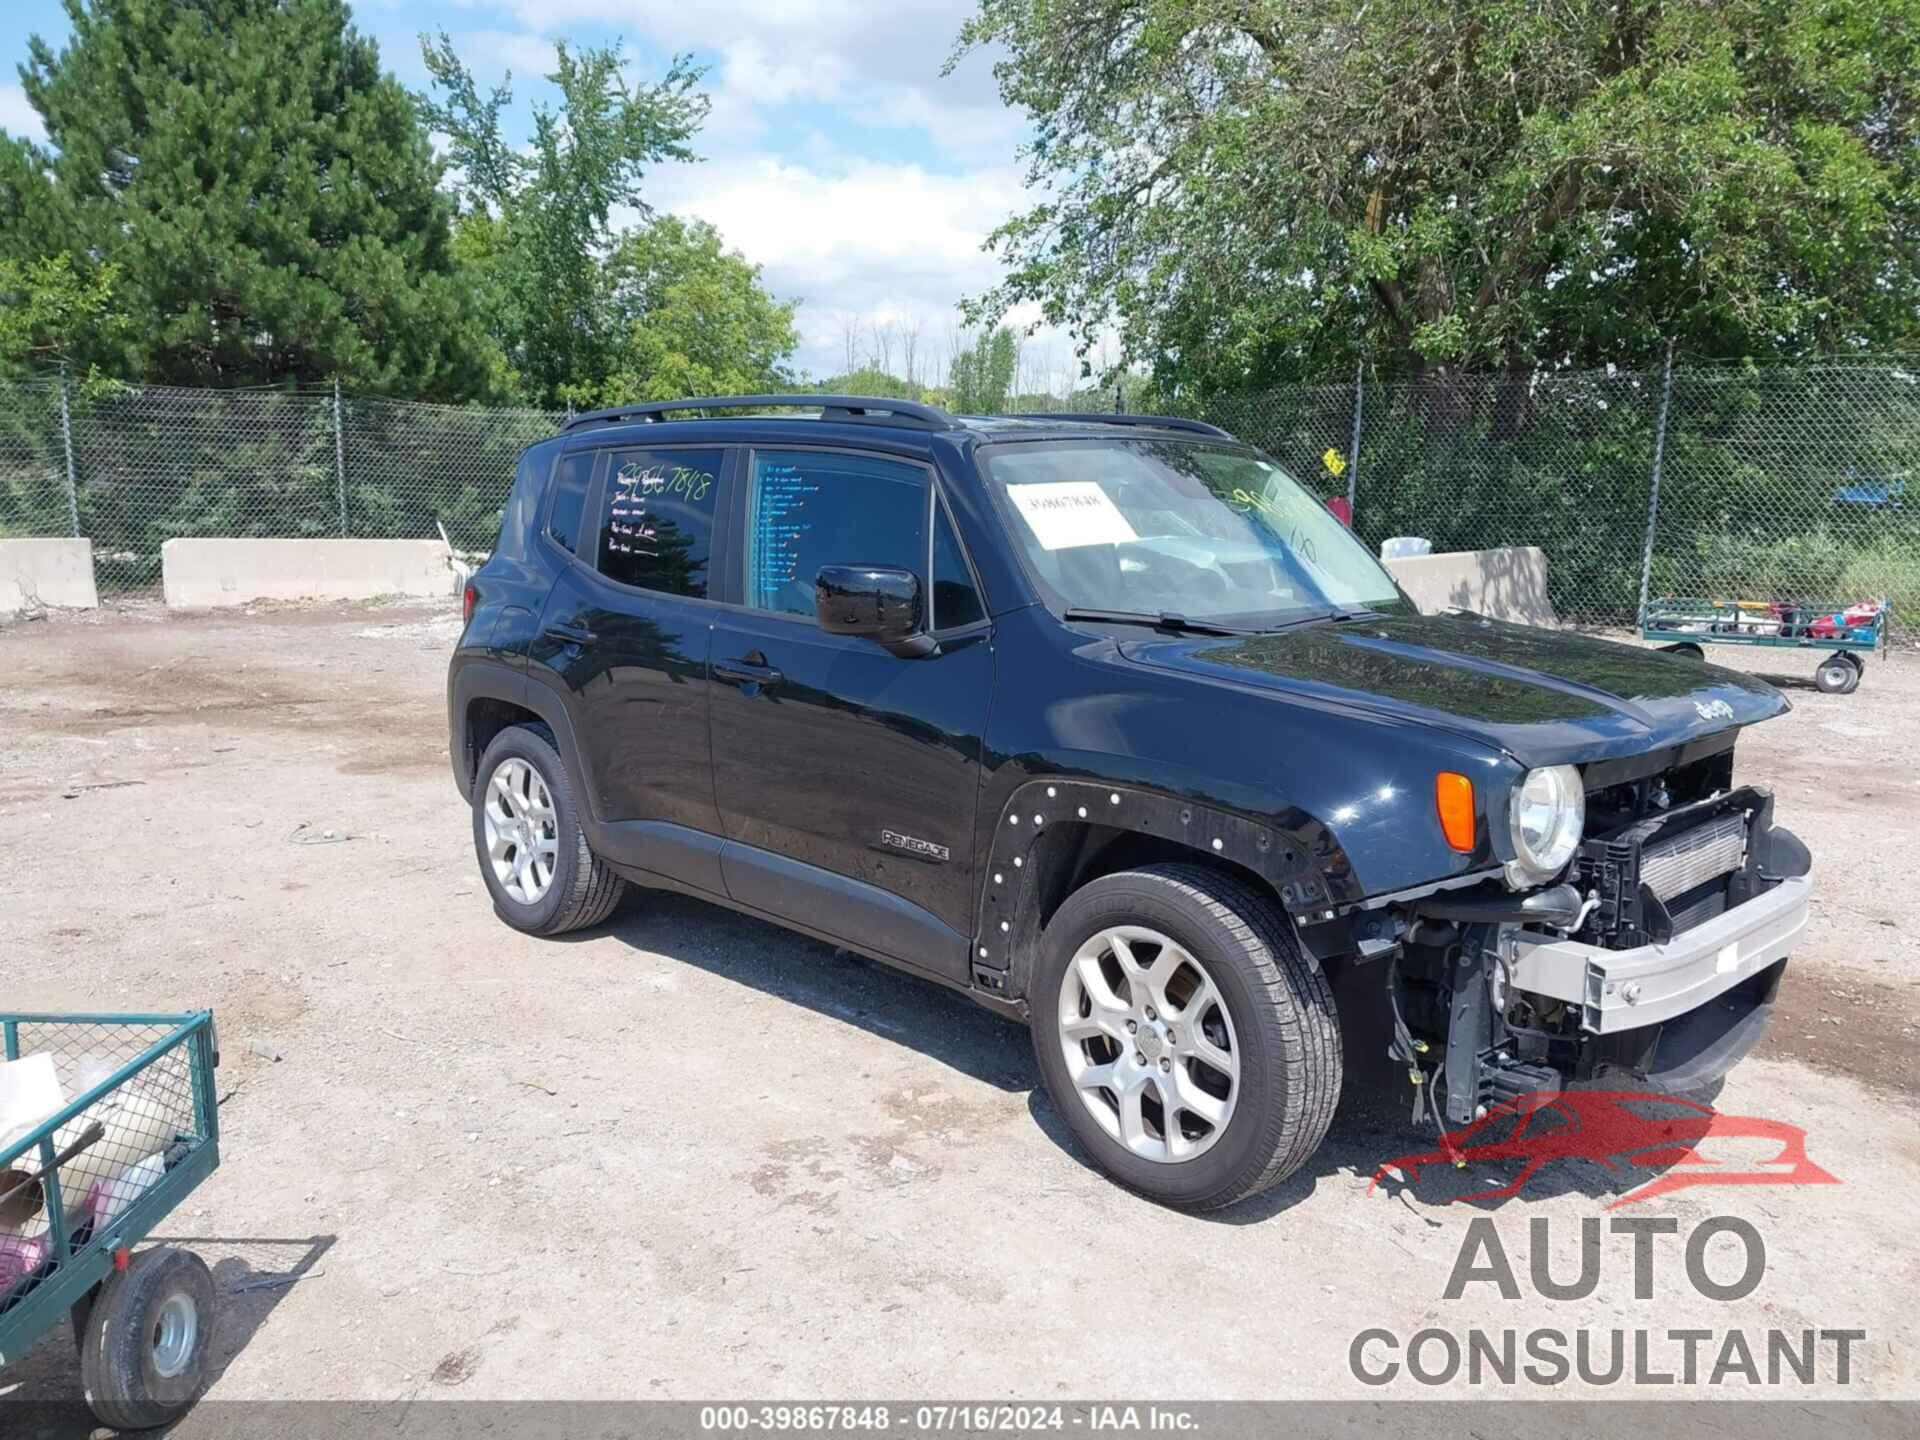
[689,1155]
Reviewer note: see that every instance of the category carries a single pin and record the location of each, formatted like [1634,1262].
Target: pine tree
[266,194]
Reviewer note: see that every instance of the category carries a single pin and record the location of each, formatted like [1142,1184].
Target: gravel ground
[690,1155]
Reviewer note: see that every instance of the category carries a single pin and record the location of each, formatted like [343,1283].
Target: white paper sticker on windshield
[1071,512]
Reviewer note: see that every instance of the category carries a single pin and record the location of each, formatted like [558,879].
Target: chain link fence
[1795,484]
[1792,484]
[132,467]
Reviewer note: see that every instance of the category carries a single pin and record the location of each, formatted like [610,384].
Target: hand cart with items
[1851,631]
[107,1122]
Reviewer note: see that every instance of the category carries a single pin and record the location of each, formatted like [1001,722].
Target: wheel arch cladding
[487,716]
[492,697]
[1056,834]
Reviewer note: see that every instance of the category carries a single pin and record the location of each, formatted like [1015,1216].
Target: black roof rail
[845,409]
[1108,417]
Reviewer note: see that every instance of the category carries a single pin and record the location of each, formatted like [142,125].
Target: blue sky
[836,156]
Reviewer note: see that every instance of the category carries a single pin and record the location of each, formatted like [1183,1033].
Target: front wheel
[1190,1044]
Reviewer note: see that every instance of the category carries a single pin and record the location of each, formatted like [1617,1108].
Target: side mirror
[879,602]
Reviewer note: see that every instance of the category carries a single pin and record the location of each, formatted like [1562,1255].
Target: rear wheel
[534,856]
[1186,1039]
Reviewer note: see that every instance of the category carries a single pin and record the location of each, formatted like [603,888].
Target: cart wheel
[1687,648]
[1838,675]
[143,1359]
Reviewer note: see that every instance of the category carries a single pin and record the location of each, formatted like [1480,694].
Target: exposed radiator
[1693,857]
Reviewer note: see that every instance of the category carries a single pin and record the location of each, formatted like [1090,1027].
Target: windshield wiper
[1315,617]
[1163,620]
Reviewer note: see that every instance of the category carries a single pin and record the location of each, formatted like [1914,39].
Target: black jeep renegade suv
[1107,722]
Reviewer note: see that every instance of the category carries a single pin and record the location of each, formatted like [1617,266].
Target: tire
[1837,675]
[1687,649]
[1274,1010]
[581,889]
[148,1338]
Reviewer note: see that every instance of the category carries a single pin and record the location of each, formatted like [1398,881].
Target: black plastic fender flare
[1301,859]
[490,680]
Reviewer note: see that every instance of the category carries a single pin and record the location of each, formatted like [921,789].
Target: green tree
[869,380]
[49,313]
[981,376]
[539,225]
[265,195]
[692,318]
[1255,190]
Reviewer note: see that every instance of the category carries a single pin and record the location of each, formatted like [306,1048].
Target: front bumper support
[1626,989]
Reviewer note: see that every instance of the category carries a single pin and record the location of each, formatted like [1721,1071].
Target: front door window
[810,508]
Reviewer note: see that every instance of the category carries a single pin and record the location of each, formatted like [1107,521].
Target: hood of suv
[1545,696]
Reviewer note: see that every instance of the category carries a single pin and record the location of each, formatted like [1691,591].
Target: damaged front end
[1651,961]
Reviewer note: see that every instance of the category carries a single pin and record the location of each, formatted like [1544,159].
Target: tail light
[469,598]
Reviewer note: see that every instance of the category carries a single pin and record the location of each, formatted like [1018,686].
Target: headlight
[1548,812]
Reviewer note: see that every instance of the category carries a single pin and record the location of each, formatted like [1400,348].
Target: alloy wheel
[523,836]
[1148,1043]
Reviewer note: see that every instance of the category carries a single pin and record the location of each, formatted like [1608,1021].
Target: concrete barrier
[46,572]
[204,573]
[1509,584]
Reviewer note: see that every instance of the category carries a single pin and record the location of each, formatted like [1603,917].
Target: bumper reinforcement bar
[1627,989]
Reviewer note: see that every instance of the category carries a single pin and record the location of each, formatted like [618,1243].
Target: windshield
[1174,527]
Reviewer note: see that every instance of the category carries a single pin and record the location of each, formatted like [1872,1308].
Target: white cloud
[881,63]
[871,242]
[899,218]
[528,56]
[836,218]
[17,116]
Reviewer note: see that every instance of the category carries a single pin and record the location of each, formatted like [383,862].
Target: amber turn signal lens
[1453,797]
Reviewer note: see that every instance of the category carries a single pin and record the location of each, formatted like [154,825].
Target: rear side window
[570,483]
[656,521]
[521,512]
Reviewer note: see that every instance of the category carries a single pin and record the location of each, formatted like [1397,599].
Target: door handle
[571,634]
[744,672]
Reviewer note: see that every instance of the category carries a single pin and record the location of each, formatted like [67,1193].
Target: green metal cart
[1688,625]
[84,1187]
